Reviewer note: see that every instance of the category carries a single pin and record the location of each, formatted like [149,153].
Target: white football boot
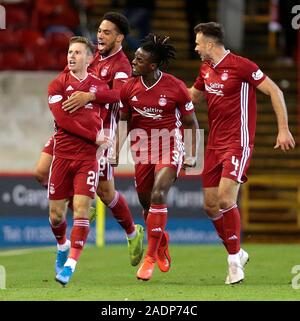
[236,268]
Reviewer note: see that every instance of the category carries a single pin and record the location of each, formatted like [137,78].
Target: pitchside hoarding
[24,213]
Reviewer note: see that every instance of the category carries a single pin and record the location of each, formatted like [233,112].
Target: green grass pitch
[197,273]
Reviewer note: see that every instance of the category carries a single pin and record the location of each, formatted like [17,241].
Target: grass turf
[197,273]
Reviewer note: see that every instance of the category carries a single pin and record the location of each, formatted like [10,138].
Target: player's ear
[120,38]
[154,66]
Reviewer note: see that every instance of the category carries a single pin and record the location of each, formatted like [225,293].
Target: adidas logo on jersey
[134,98]
[92,189]
[233,173]
[233,237]
[69,88]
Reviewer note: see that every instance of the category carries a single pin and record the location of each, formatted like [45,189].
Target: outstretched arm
[285,139]
[79,99]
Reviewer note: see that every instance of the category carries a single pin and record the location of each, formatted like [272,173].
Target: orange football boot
[163,255]
[146,269]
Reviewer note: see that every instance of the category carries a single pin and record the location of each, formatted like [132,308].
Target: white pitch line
[24,251]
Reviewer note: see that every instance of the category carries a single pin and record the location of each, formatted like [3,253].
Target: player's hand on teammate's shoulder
[285,140]
[189,162]
[77,100]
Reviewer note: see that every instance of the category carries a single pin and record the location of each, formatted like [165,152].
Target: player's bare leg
[79,234]
[121,212]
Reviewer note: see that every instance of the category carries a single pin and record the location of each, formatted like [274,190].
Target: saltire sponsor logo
[149,112]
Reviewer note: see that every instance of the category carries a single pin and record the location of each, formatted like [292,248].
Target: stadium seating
[17,17]
[24,47]
[12,60]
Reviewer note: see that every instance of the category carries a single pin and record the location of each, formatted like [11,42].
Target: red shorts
[70,177]
[145,175]
[48,148]
[232,163]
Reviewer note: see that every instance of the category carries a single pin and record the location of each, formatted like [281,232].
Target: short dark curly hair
[119,20]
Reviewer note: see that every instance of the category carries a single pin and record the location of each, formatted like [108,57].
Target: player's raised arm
[103,95]
[285,140]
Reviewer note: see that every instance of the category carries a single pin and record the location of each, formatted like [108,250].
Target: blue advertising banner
[24,213]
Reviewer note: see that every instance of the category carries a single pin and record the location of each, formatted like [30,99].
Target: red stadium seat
[32,39]
[59,41]
[61,61]
[16,17]
[13,60]
[9,39]
[44,60]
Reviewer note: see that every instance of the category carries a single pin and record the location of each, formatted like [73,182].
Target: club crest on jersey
[51,189]
[162,101]
[224,76]
[104,71]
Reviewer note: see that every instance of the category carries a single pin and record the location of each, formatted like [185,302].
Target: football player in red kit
[156,106]
[111,65]
[229,82]
[74,168]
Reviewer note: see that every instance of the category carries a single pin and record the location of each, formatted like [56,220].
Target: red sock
[59,231]
[232,229]
[219,226]
[156,223]
[121,213]
[79,235]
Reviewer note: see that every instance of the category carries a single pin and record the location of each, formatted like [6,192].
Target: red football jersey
[113,70]
[76,133]
[230,92]
[156,108]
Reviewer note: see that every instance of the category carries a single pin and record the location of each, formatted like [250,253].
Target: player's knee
[106,195]
[56,216]
[81,211]
[225,202]
[158,197]
[211,209]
